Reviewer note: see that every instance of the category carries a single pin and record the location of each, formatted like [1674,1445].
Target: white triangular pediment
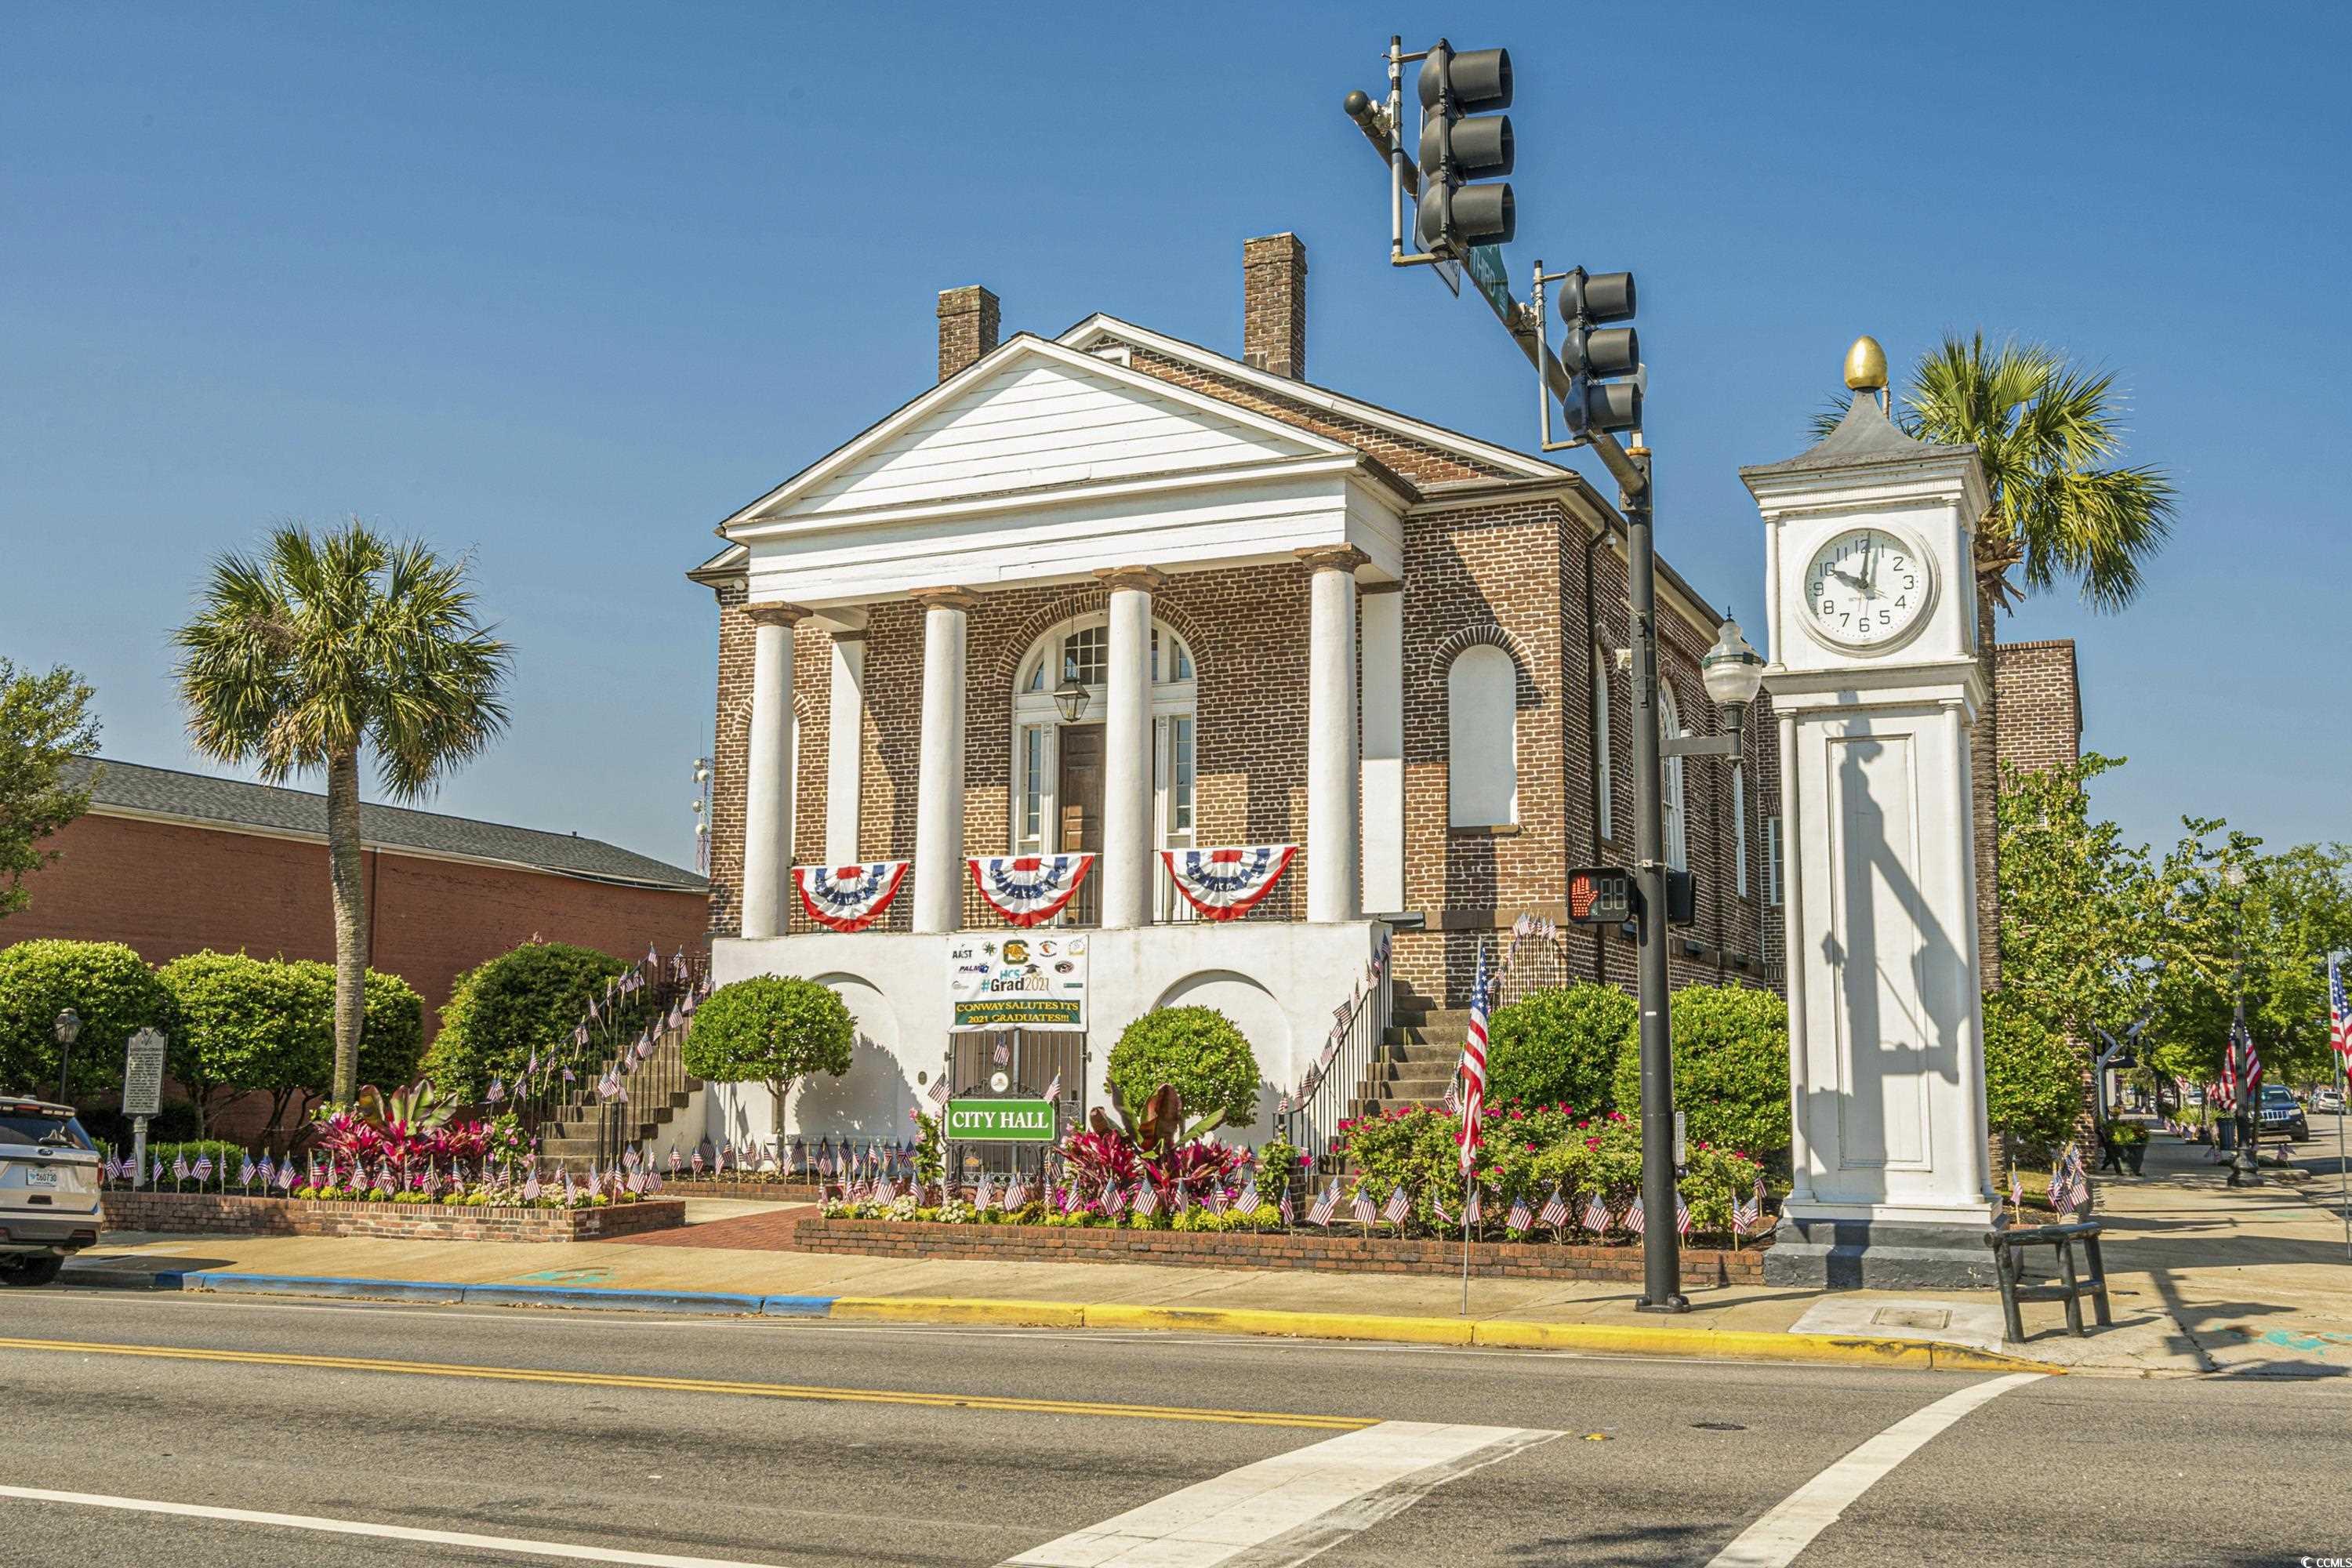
[1034,415]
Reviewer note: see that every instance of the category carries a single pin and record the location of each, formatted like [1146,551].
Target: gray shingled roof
[1864,436]
[232,803]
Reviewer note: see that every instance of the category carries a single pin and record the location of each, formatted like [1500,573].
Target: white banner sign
[1017,980]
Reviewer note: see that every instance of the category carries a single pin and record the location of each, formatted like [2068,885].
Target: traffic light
[1460,142]
[1592,353]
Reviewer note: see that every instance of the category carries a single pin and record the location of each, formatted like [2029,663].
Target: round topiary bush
[501,1012]
[1731,1068]
[247,1024]
[1559,1048]
[1200,1051]
[2033,1080]
[772,1029]
[106,984]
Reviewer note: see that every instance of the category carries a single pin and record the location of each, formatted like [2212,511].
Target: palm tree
[2046,432]
[325,643]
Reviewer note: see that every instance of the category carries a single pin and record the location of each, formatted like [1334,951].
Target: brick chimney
[1273,304]
[967,327]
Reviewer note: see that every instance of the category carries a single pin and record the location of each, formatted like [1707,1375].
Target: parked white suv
[49,1190]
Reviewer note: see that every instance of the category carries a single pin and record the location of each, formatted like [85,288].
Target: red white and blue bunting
[848,898]
[1028,889]
[1225,884]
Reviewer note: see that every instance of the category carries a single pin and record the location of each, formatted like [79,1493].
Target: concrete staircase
[1416,1059]
[660,1092]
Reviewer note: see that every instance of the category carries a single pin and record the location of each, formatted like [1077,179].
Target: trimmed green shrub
[503,1011]
[1198,1050]
[392,1026]
[771,1029]
[225,1155]
[2033,1080]
[1731,1069]
[246,1025]
[1559,1047]
[112,990]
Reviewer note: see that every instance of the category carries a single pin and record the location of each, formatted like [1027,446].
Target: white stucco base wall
[1280,984]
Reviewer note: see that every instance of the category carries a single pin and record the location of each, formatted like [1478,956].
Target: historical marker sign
[1000,1120]
[142,1074]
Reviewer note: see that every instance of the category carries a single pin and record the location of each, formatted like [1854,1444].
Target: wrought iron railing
[1310,1118]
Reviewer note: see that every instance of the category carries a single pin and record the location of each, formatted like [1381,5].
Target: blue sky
[561,286]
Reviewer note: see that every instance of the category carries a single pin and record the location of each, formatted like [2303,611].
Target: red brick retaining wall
[767,1191]
[231,1214]
[1702,1267]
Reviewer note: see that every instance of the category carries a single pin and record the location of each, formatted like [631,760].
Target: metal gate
[1031,1060]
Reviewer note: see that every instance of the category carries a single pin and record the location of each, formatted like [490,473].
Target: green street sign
[1000,1120]
[1494,284]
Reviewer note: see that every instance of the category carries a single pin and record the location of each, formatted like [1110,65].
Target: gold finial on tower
[1865,366]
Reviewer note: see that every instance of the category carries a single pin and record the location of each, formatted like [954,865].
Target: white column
[1794,970]
[1381,608]
[767,783]
[1126,868]
[1334,869]
[1972,1178]
[845,747]
[938,780]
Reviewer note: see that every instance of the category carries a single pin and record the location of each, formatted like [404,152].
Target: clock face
[1866,588]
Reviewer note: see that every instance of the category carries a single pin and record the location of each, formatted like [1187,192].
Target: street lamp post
[69,1030]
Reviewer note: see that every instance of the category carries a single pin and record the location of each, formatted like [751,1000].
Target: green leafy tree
[391,1040]
[2082,912]
[43,722]
[325,644]
[521,1003]
[2034,1079]
[771,1029]
[107,984]
[1200,1051]
[247,1026]
[1731,1068]
[2060,507]
[1559,1047]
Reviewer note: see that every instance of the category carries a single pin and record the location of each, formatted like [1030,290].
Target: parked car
[2282,1112]
[49,1190]
[2329,1102]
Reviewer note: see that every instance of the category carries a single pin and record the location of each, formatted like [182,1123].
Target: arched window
[1079,649]
[1482,718]
[1670,726]
[1603,765]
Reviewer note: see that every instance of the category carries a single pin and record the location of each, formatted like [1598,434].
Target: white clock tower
[1875,684]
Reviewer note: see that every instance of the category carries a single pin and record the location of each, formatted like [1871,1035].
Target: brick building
[172,863]
[1294,617]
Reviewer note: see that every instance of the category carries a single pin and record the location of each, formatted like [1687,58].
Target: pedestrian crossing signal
[1599,896]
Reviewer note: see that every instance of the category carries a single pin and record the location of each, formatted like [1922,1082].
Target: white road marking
[503,1544]
[1775,1540]
[1290,1507]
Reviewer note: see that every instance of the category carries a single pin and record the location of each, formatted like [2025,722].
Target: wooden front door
[1081,791]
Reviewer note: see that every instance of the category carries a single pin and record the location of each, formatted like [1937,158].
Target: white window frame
[1037,709]
[1670,727]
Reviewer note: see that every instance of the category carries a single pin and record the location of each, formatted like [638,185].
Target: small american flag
[655,1187]
[178,1167]
[498,1091]
[2016,1190]
[1635,1221]
[1324,1204]
[571,1193]
[1399,1205]
[531,1187]
[1362,1209]
[1286,1208]
[204,1167]
[1147,1198]
[1438,1211]
[285,1177]
[1114,1200]
[1053,1089]
[2253,1069]
[1002,1054]
[1470,1210]
[2339,1016]
[1682,1214]
[887,1193]
[1519,1218]
[2230,1071]
[1743,1214]
[1181,1197]
[1554,1210]
[986,1196]
[939,1091]
[1247,1202]
[696,1161]
[1217,1198]
[1017,1193]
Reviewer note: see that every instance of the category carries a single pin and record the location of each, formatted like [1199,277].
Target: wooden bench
[2009,1258]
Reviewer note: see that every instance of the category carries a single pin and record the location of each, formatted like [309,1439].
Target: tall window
[1603,768]
[1079,649]
[1670,725]
[1482,717]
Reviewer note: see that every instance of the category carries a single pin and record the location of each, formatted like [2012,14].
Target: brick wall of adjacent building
[2040,704]
[170,888]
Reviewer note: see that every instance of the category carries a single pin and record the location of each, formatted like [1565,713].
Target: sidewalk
[2202,1279]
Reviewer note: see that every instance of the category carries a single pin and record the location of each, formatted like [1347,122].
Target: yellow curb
[1294,1325]
[962,1310]
[1737,1344]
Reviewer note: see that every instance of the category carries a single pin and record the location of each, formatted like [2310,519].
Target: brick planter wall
[1702,1267]
[767,1191]
[235,1214]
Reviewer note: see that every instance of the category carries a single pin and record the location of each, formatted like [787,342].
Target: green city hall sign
[1000,1120]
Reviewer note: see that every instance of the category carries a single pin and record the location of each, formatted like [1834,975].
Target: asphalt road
[563,1436]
